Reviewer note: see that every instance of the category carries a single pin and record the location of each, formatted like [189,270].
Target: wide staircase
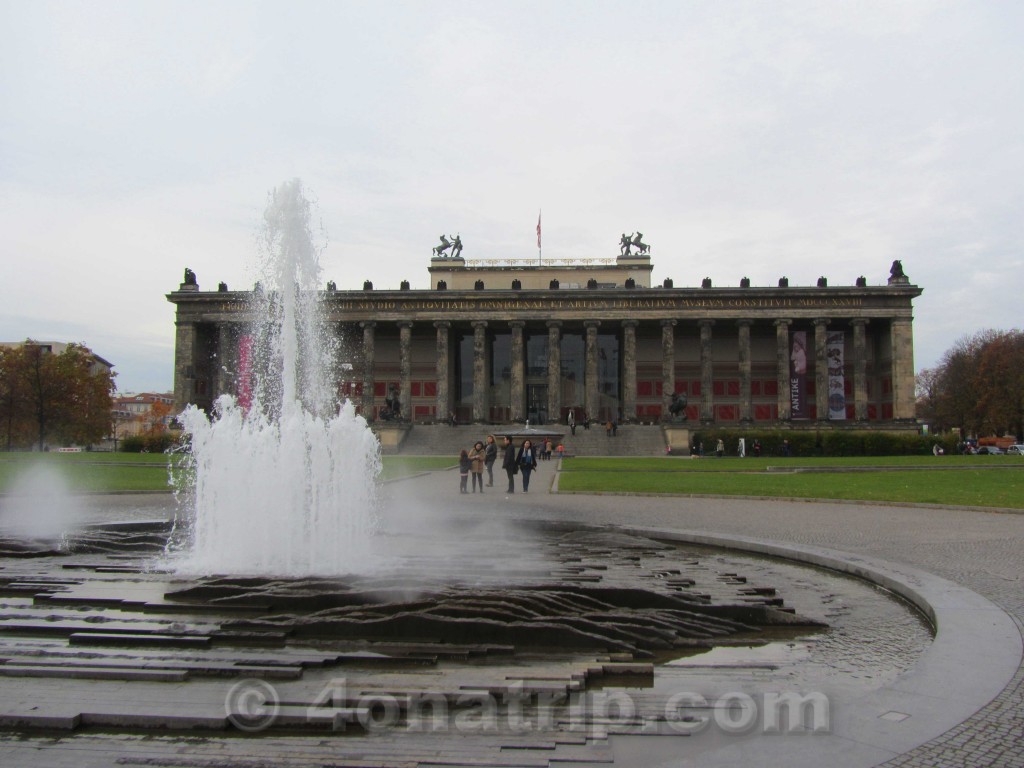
[442,440]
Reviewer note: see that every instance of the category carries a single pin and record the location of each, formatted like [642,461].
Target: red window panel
[727,413]
[380,388]
[771,388]
[653,411]
[644,388]
[886,410]
[695,389]
[424,411]
[847,387]
[415,387]
[851,411]
[734,388]
[886,386]
[430,388]
[681,387]
[755,388]
[812,412]
[657,390]
[692,412]
[718,388]
[811,386]
[762,413]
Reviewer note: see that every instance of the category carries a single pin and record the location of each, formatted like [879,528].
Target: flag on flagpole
[538,230]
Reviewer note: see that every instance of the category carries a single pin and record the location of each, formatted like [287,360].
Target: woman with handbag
[476,458]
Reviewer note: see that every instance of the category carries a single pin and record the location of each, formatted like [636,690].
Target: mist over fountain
[281,480]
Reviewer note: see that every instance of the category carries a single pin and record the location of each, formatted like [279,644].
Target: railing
[596,262]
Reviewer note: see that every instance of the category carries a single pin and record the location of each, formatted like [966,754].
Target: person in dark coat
[491,452]
[508,462]
[527,461]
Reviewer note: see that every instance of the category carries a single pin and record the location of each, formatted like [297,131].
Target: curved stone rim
[976,652]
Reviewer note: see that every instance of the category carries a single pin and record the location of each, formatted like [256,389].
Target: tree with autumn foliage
[63,397]
[978,386]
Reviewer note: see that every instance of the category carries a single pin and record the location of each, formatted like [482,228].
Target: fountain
[293,596]
[281,481]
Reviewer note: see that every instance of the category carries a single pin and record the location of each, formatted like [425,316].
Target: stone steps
[442,440]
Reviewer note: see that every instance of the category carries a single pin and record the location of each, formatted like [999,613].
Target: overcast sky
[752,139]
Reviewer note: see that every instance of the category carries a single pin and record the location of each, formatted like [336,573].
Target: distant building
[503,342]
[142,413]
[55,348]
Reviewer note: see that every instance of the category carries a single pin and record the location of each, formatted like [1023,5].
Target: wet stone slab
[101,635]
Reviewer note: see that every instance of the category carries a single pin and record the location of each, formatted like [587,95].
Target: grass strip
[732,464]
[403,466]
[133,472]
[959,487]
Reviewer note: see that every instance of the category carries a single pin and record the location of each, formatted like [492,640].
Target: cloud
[744,140]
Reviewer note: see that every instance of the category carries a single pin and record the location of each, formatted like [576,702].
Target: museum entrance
[537,403]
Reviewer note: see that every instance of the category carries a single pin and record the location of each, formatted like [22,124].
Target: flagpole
[538,239]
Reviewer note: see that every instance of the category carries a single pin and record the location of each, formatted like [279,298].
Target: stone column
[821,368]
[224,375]
[785,404]
[590,370]
[668,366]
[518,380]
[746,415]
[707,374]
[902,332]
[443,406]
[368,327]
[184,363]
[479,371]
[405,368]
[555,370]
[629,370]
[860,369]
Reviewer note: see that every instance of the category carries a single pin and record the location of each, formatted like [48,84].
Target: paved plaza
[978,694]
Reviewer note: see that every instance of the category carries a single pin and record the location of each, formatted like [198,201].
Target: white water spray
[284,485]
[40,505]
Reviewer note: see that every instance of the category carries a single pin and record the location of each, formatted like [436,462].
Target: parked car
[991,450]
[1016,449]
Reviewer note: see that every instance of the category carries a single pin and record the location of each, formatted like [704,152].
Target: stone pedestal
[391,436]
[678,437]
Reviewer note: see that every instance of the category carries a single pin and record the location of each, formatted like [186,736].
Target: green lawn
[403,466]
[989,481]
[102,472]
[90,471]
[732,464]
[994,481]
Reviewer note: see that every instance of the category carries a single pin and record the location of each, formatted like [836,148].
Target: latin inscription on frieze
[595,303]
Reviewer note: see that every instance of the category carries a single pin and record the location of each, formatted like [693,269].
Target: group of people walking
[484,455]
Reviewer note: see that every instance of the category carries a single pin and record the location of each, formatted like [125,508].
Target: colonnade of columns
[902,367]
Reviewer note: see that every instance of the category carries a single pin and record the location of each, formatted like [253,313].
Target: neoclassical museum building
[508,342]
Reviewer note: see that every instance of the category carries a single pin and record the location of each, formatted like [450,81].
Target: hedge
[148,443]
[823,443]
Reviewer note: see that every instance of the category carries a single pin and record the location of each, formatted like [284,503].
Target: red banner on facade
[244,383]
[798,375]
